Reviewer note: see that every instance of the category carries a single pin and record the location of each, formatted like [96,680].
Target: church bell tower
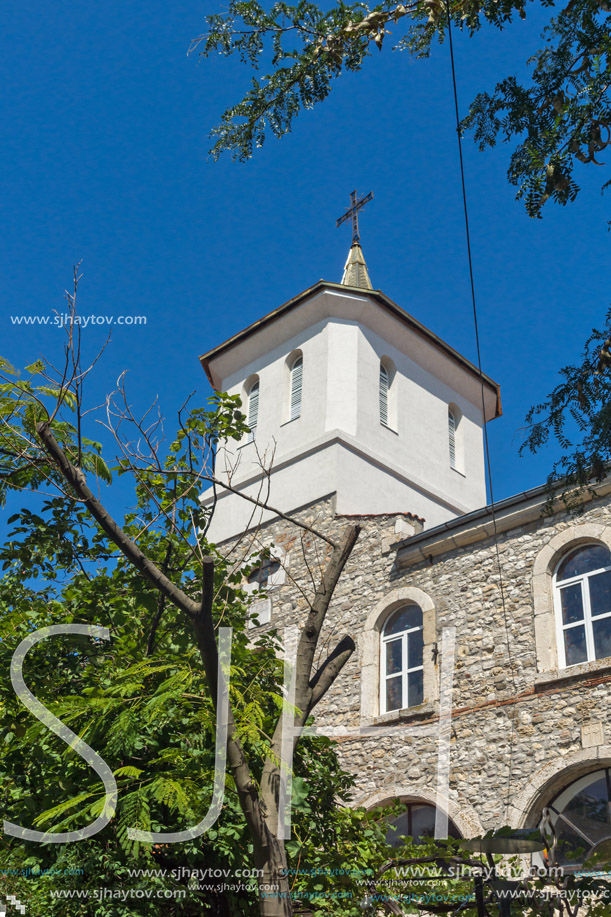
[348,396]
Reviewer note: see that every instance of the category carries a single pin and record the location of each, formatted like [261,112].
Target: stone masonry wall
[515,738]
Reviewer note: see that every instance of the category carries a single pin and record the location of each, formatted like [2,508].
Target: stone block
[592,734]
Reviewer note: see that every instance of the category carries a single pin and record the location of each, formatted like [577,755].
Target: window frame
[387,394]
[405,669]
[371,652]
[558,806]
[586,622]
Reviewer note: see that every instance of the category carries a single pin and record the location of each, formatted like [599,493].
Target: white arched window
[401,657]
[582,587]
[452,424]
[383,394]
[581,818]
[296,388]
[252,416]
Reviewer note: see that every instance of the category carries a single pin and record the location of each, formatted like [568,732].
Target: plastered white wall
[338,444]
[419,442]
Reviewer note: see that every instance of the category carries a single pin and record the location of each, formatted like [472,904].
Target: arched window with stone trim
[582,597]
[382,628]
[401,658]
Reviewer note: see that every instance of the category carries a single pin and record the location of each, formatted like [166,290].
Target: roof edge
[379,297]
[445,537]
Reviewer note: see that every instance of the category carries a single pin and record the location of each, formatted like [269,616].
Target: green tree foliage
[562,116]
[142,704]
[557,118]
[577,417]
[151,719]
[141,700]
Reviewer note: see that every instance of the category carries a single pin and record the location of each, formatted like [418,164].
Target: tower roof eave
[382,300]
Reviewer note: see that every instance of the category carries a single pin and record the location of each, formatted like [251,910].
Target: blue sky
[104,158]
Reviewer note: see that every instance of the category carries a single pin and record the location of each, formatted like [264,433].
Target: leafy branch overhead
[563,117]
[577,416]
[557,118]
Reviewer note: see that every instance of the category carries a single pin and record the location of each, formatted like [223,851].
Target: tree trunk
[260,808]
[274,884]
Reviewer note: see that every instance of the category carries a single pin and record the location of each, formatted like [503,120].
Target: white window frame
[583,579]
[405,670]
[296,388]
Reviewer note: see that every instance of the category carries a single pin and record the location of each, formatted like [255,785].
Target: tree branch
[150,643]
[203,628]
[324,678]
[329,670]
[263,505]
[310,634]
[200,615]
[76,479]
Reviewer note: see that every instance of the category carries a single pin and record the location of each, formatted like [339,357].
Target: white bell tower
[349,395]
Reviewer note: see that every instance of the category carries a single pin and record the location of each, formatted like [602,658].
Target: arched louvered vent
[384,385]
[253,410]
[452,437]
[296,388]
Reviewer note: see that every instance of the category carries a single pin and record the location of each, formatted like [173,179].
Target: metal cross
[353,211]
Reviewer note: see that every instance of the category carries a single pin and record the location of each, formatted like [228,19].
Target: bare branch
[76,479]
[272,509]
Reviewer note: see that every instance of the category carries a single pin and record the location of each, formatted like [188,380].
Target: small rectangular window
[394,656]
[600,594]
[415,688]
[602,637]
[394,693]
[575,645]
[572,604]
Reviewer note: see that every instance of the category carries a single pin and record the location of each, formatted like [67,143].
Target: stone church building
[359,413]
